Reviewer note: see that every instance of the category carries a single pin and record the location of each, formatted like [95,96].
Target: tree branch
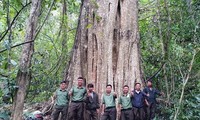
[185,80]
[3,75]
[156,72]
[27,42]
[17,45]
[39,29]
[3,34]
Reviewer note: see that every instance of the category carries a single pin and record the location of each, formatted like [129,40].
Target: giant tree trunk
[24,72]
[106,49]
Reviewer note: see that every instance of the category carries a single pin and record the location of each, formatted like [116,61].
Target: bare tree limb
[16,45]
[180,71]
[156,72]
[185,80]
[39,29]
[3,75]
[3,34]
[27,42]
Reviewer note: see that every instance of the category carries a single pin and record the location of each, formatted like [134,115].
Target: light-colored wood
[24,72]
[106,49]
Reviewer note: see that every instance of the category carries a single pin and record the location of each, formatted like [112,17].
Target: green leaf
[7,44]
[13,62]
[5,65]
[198,98]
[4,116]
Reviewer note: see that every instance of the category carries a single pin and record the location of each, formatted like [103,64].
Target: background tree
[169,34]
[24,72]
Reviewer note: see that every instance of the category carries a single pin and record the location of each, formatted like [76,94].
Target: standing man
[76,107]
[92,103]
[109,111]
[151,99]
[138,102]
[125,105]
[61,99]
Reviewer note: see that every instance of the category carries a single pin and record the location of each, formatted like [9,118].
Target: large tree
[106,48]
[24,72]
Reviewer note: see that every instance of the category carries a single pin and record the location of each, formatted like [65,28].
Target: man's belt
[126,109]
[110,107]
[77,101]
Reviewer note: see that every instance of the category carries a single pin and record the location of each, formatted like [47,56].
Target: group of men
[132,105]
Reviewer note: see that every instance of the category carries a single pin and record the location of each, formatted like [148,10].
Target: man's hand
[102,109]
[147,103]
[89,94]
[115,94]
[97,111]
[119,112]
[70,93]
[132,94]
[52,100]
[102,112]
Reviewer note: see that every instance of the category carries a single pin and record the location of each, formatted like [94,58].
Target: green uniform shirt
[108,100]
[62,97]
[78,94]
[125,101]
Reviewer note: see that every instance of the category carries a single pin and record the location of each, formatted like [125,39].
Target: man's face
[149,84]
[137,87]
[80,82]
[91,89]
[63,86]
[125,90]
[108,89]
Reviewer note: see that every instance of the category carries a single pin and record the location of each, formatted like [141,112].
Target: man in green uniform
[61,99]
[125,104]
[76,107]
[109,111]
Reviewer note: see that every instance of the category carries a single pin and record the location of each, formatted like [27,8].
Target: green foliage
[4,116]
[52,47]
[174,23]
[98,18]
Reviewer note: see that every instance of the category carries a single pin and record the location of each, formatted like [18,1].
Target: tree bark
[106,49]
[24,72]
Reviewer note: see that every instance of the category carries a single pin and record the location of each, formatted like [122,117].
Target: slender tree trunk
[106,49]
[9,43]
[165,38]
[166,44]
[24,72]
[185,81]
